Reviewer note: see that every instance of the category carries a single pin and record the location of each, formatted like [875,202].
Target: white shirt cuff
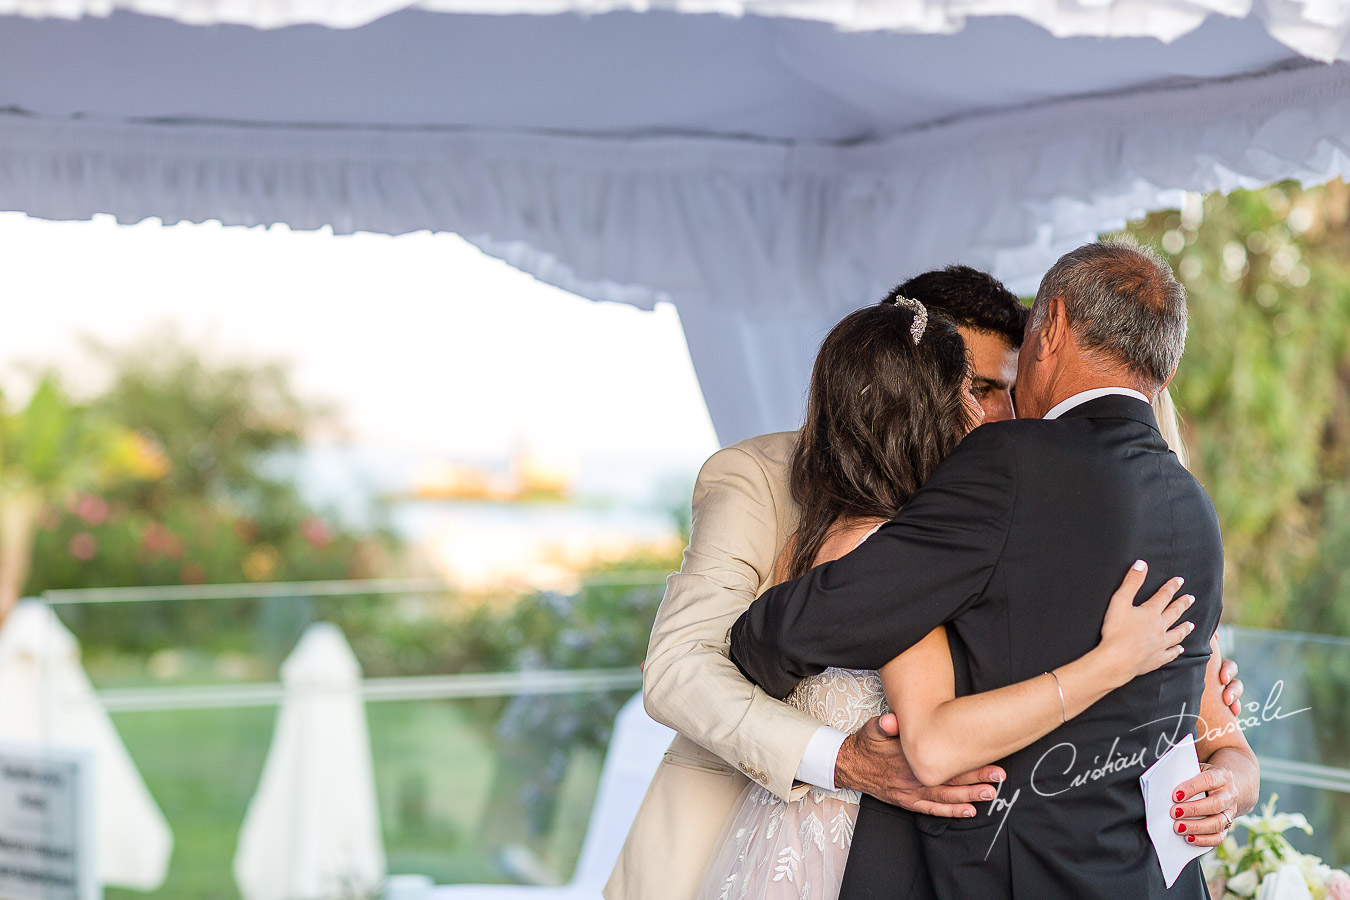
[822,752]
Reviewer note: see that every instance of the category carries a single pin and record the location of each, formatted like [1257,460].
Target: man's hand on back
[872,761]
[1232,685]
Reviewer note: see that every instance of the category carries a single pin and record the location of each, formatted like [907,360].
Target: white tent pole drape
[761,368]
[760,244]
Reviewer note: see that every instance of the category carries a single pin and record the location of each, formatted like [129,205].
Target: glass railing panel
[486,774]
[1297,719]
[458,801]
[482,775]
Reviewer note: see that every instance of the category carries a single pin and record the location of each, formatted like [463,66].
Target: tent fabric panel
[754,373]
[769,228]
[753,231]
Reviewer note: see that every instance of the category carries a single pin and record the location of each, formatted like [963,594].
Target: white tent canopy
[765,172]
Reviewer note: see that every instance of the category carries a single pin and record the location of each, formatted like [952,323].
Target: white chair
[634,753]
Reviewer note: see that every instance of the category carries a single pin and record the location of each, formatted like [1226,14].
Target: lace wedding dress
[778,850]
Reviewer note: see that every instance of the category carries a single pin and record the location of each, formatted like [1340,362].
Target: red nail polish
[1176,813]
[1190,839]
[1181,795]
[1181,828]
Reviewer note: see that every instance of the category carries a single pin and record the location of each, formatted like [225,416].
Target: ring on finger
[1227,819]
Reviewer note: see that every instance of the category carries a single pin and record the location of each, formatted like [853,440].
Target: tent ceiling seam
[1113,110]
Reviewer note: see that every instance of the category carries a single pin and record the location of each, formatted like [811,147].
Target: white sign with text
[46,824]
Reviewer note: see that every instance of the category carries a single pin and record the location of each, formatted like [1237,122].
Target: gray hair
[1123,303]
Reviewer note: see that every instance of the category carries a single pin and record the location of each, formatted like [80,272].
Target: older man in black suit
[1015,544]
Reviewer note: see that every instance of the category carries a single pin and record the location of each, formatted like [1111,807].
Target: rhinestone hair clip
[920,324]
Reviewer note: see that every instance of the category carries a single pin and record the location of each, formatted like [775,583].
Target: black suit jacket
[1016,543]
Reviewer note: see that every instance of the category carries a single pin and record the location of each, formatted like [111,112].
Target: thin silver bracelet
[1063,713]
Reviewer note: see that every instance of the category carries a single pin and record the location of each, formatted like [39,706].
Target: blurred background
[421,445]
[434,436]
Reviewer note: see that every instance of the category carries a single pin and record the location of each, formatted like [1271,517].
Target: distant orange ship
[530,478]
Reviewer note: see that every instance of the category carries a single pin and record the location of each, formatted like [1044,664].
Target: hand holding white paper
[1158,782]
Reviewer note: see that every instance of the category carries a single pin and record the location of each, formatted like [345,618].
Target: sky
[425,346]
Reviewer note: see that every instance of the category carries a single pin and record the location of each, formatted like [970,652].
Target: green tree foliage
[50,448]
[217,423]
[1262,388]
[215,506]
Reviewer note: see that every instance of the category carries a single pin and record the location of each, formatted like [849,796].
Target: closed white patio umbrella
[312,830]
[46,700]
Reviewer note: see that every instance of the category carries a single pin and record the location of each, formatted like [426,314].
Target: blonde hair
[1169,423]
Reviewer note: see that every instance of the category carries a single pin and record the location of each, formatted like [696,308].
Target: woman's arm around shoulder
[944,734]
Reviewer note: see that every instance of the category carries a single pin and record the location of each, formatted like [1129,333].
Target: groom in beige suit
[730,730]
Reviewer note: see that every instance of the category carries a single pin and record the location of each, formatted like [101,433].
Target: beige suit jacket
[742,517]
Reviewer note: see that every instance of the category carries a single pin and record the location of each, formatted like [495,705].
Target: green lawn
[449,798]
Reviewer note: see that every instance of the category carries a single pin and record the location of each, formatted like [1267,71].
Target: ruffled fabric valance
[1316,30]
[761,245]
[770,229]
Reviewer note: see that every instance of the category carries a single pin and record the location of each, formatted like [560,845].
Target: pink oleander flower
[316,532]
[92,509]
[83,546]
[160,541]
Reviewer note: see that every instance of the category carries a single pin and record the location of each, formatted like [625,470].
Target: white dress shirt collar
[1085,396]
